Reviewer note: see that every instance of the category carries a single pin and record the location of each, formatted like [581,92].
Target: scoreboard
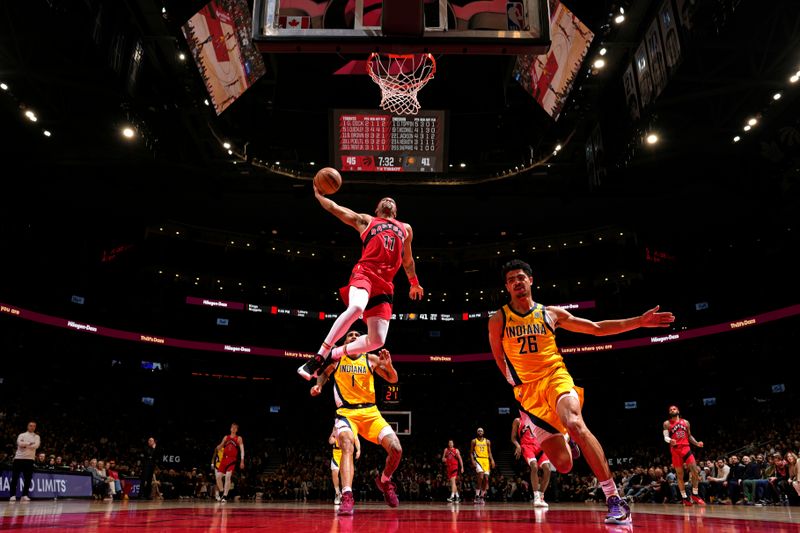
[367,140]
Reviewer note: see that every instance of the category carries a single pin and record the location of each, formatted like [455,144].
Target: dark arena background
[165,267]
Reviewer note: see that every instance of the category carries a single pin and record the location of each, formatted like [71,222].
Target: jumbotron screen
[368,140]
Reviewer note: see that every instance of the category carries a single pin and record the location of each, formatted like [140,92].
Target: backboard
[399,420]
[507,27]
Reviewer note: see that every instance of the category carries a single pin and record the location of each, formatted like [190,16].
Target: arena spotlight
[737,139]
[182,56]
[46,133]
[226,145]
[599,63]
[794,79]
[776,96]
[747,128]
[752,122]
[3,86]
[31,115]
[652,138]
[603,51]
[128,132]
[619,19]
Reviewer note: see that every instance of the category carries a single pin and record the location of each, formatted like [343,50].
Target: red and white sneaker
[346,507]
[687,502]
[389,490]
[697,500]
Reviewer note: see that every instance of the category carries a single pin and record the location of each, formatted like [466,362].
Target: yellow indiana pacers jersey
[481,448]
[218,457]
[529,345]
[354,384]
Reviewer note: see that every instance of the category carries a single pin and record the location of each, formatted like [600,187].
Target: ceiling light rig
[28,113]
[754,121]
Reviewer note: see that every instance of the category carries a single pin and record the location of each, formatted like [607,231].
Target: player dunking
[482,461]
[369,293]
[523,341]
[678,434]
[232,448]
[357,415]
[453,464]
[336,460]
[525,446]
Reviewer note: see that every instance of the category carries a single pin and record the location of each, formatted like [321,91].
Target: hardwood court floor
[290,517]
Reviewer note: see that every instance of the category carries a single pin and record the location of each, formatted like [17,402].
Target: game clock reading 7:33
[376,141]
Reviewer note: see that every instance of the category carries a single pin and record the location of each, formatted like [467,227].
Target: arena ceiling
[69,60]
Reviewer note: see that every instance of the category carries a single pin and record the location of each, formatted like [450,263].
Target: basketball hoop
[400,78]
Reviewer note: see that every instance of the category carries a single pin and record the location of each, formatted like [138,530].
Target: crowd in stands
[759,467]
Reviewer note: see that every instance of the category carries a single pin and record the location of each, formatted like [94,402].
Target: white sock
[346,489]
[695,491]
[683,494]
[609,488]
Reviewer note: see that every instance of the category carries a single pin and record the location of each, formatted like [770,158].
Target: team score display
[387,163]
[392,394]
[528,344]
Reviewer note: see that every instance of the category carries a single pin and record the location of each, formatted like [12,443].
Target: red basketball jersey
[230,448]
[451,456]
[383,247]
[678,430]
[525,436]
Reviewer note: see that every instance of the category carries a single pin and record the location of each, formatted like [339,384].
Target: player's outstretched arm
[322,379]
[382,363]
[695,442]
[649,319]
[359,221]
[416,292]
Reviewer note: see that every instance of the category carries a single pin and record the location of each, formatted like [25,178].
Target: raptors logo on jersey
[678,431]
[383,247]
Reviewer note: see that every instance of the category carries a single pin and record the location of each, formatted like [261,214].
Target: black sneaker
[312,367]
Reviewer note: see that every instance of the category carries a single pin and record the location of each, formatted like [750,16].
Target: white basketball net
[400,78]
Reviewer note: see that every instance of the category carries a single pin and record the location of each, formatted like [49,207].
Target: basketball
[328,180]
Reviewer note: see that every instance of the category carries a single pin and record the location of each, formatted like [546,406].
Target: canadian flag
[294,23]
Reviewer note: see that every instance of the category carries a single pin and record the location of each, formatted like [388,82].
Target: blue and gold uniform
[336,459]
[481,455]
[534,366]
[354,392]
